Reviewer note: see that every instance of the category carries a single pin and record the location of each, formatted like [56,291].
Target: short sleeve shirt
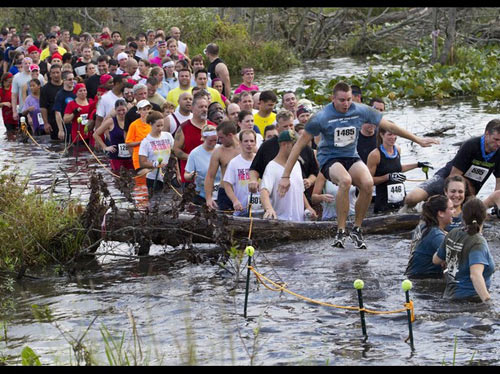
[340,131]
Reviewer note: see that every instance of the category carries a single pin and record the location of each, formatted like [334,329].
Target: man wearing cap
[292,206]
[140,93]
[217,68]
[62,99]
[339,123]
[138,130]
[51,39]
[122,59]
[106,43]
[270,148]
[34,53]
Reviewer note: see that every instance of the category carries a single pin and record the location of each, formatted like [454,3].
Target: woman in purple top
[247,85]
[31,108]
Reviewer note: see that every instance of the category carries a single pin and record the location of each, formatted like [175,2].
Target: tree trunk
[435,33]
[447,54]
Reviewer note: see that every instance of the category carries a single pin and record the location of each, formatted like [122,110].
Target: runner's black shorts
[346,162]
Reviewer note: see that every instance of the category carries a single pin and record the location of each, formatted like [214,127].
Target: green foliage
[35,230]
[30,358]
[200,26]
[475,73]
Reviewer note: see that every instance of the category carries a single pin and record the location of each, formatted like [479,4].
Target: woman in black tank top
[384,163]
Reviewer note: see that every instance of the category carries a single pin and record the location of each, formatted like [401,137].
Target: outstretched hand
[428,142]
[283,186]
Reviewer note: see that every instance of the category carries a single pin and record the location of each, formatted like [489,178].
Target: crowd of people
[145,99]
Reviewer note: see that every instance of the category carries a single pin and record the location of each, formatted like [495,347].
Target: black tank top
[366,144]
[388,191]
[211,71]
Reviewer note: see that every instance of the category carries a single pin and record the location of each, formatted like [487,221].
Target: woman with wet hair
[428,236]
[468,260]
[455,189]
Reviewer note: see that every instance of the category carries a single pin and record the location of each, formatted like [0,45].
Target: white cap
[143,103]
[122,55]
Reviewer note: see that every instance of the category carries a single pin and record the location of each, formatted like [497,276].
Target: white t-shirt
[144,54]
[238,174]
[153,148]
[180,117]
[330,209]
[106,103]
[291,206]
[181,46]
[199,160]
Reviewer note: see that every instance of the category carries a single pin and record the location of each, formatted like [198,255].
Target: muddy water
[193,314]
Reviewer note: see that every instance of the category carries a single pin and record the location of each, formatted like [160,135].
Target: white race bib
[254,201]
[344,136]
[395,193]
[80,70]
[84,118]
[476,173]
[40,119]
[123,150]
[215,191]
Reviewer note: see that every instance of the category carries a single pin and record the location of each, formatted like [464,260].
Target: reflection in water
[182,308]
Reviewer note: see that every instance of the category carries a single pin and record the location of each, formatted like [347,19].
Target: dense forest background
[305,32]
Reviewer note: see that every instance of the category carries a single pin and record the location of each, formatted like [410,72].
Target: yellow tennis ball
[249,250]
[359,284]
[406,285]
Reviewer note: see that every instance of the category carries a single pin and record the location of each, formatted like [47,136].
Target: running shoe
[357,238]
[339,239]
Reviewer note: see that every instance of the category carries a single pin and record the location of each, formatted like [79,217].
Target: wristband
[285,177]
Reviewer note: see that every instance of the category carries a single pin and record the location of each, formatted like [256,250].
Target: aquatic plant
[411,76]
[35,230]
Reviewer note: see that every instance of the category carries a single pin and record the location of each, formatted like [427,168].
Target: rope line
[278,287]
[25,130]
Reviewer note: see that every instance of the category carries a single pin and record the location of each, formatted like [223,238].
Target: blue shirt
[199,161]
[423,249]
[340,130]
[459,272]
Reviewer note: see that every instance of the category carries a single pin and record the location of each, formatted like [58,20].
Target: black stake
[249,251]
[359,284]
[410,329]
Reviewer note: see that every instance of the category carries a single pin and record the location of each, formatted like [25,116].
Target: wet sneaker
[339,239]
[357,238]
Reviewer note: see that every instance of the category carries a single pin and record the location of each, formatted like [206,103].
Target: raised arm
[399,131]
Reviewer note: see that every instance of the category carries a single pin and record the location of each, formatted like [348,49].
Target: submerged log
[164,228]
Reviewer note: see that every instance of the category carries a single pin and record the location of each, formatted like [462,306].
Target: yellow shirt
[262,122]
[173,95]
[45,53]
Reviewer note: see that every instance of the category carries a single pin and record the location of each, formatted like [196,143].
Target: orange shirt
[137,131]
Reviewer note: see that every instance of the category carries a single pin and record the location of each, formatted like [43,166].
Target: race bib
[344,136]
[40,119]
[215,192]
[395,193]
[476,173]
[123,150]
[254,201]
[84,118]
[80,70]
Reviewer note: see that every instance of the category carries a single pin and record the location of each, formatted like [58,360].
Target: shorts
[11,126]
[223,201]
[117,163]
[433,186]
[346,162]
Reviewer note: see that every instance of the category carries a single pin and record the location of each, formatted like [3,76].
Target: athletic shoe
[339,239]
[357,238]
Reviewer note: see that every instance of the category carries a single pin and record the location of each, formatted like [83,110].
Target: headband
[209,133]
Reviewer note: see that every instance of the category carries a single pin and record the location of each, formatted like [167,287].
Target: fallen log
[164,228]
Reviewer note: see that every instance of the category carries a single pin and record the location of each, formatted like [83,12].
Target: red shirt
[6,96]
[84,114]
